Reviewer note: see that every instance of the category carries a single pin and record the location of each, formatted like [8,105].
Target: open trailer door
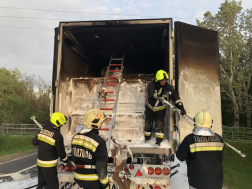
[54,75]
[197,73]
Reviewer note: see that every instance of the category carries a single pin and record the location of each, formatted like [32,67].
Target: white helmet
[93,118]
[203,122]
[203,119]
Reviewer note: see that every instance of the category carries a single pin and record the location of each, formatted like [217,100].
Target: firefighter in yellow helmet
[50,148]
[89,153]
[157,89]
[203,152]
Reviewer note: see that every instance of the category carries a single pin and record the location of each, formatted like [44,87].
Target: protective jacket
[203,155]
[154,88]
[50,146]
[89,153]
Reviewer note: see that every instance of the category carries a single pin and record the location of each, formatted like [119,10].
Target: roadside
[11,145]
[17,155]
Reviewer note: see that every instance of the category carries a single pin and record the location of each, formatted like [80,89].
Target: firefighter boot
[148,130]
[158,141]
[147,138]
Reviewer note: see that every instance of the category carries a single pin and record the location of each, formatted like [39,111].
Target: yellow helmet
[58,119]
[93,118]
[203,119]
[160,75]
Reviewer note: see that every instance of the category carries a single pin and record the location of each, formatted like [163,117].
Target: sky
[27,26]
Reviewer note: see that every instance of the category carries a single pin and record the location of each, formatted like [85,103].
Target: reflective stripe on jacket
[154,109]
[52,163]
[85,141]
[86,177]
[207,146]
[46,139]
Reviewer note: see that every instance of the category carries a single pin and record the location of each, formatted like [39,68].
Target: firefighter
[203,152]
[157,89]
[50,147]
[89,153]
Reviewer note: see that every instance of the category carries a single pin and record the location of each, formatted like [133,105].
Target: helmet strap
[165,76]
[95,126]
[58,128]
[57,121]
[96,131]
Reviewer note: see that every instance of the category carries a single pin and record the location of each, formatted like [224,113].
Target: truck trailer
[108,64]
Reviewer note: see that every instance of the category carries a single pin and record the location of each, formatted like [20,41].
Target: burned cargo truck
[116,59]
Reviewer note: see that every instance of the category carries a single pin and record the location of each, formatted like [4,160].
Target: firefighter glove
[159,95]
[180,106]
[162,94]
[166,93]
[105,186]
[67,160]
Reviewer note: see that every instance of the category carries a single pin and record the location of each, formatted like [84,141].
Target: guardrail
[237,133]
[228,133]
[18,129]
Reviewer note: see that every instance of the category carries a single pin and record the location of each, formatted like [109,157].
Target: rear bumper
[151,186]
[142,186]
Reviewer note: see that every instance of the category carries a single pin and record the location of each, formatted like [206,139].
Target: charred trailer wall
[73,65]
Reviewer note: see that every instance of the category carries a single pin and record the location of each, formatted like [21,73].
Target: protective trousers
[92,185]
[159,120]
[48,177]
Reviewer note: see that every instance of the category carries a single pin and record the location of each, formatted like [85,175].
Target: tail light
[166,171]
[126,169]
[67,167]
[150,171]
[131,166]
[60,167]
[158,171]
[73,168]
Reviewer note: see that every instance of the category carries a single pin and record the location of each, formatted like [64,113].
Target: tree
[43,101]
[246,65]
[22,96]
[9,90]
[235,70]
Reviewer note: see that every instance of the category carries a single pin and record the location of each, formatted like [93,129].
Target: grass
[11,144]
[236,169]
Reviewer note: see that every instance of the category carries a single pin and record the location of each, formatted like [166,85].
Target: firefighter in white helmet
[89,153]
[155,109]
[50,148]
[203,152]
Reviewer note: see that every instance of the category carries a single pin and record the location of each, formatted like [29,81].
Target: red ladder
[118,84]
